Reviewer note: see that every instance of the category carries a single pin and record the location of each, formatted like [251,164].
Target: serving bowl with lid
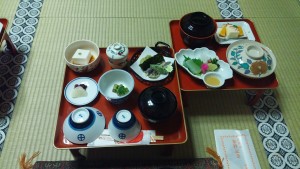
[84,45]
[117,54]
[83,125]
[197,29]
[157,103]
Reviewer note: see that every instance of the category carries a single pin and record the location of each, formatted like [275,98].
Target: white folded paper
[236,149]
[105,140]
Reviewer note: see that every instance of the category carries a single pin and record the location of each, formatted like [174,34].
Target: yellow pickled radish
[223,31]
[240,29]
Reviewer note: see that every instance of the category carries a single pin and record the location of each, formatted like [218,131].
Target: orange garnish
[223,31]
[215,156]
[240,29]
[27,164]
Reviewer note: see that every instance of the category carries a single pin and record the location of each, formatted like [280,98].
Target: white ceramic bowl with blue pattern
[124,126]
[83,125]
[109,79]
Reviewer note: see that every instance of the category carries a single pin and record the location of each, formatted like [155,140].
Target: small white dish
[248,34]
[83,125]
[203,54]
[136,68]
[124,126]
[254,51]
[92,91]
[213,80]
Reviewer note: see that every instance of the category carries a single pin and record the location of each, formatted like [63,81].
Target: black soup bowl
[197,29]
[157,104]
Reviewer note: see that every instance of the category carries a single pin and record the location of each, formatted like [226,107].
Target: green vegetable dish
[198,67]
[154,66]
[120,89]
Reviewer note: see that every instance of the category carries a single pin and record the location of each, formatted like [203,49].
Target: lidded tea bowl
[117,55]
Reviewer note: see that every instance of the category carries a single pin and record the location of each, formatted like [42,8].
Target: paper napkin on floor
[236,149]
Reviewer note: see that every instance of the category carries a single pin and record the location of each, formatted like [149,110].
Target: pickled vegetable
[193,67]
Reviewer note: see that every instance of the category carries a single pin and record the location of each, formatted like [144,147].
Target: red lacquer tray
[4,23]
[173,130]
[238,82]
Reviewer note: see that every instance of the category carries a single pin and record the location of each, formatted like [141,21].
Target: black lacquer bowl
[197,29]
[157,103]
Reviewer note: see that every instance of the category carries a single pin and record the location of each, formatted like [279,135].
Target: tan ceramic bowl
[82,44]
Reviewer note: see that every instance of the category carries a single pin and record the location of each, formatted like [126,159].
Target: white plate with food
[151,66]
[199,61]
[232,31]
[81,91]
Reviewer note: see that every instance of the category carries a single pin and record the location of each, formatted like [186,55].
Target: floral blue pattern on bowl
[248,66]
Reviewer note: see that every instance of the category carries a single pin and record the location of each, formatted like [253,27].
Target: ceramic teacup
[83,125]
[124,126]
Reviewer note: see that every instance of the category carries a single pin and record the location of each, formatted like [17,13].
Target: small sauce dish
[213,80]
[255,52]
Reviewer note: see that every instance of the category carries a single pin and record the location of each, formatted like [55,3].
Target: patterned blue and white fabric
[277,141]
[229,9]
[12,67]
[276,138]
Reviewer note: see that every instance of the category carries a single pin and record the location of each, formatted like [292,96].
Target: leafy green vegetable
[152,60]
[159,69]
[198,62]
[194,65]
[120,90]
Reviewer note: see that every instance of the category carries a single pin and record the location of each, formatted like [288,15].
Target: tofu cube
[232,32]
[81,57]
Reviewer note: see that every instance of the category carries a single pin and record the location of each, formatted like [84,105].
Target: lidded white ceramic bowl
[83,125]
[117,54]
[84,45]
[124,126]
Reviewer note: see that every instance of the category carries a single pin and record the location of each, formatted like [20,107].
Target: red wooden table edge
[4,22]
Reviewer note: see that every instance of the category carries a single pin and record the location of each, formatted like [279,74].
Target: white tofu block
[231,32]
[81,57]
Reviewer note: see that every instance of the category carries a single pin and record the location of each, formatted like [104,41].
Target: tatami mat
[270,9]
[140,23]
[126,9]
[8,9]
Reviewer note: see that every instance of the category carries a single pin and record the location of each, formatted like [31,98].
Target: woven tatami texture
[125,9]
[270,9]
[141,23]
[8,9]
